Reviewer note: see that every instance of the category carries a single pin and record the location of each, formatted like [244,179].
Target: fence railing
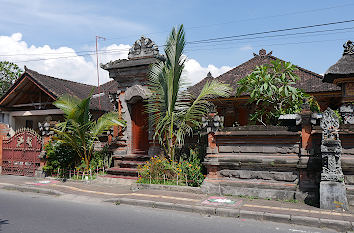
[79,174]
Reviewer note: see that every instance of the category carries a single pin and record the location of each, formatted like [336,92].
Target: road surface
[37,213]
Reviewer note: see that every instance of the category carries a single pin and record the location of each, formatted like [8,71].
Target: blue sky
[72,25]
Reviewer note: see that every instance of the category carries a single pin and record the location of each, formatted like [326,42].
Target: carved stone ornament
[331,148]
[114,99]
[329,125]
[144,47]
[136,91]
[348,48]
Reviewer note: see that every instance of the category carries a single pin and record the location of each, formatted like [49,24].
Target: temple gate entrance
[140,135]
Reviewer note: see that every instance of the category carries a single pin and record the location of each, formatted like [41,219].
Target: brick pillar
[306,138]
[4,130]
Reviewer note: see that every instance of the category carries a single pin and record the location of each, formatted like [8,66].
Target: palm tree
[173,111]
[78,130]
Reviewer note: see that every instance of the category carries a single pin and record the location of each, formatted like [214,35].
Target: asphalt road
[36,213]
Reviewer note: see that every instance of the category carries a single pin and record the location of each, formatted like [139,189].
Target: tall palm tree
[174,112]
[78,130]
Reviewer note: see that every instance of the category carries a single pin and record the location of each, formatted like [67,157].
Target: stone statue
[348,48]
[332,187]
[144,47]
[331,147]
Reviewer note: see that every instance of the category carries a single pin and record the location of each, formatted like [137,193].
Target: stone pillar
[332,187]
[306,129]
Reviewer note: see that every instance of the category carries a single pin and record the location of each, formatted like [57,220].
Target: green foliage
[173,112]
[9,72]
[79,131]
[160,170]
[101,158]
[59,156]
[271,89]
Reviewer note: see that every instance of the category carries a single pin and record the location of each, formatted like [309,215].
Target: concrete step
[128,163]
[117,171]
[137,157]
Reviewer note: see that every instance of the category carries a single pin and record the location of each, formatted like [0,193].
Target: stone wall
[346,135]
[254,161]
[272,162]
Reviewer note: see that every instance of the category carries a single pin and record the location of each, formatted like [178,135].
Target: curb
[187,189]
[338,225]
[32,190]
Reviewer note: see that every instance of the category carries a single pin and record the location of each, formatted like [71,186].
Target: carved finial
[262,52]
[144,47]
[209,75]
[348,48]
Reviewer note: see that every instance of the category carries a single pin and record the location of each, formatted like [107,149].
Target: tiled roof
[59,87]
[308,81]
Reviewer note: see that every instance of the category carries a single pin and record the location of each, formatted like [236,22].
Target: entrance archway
[140,135]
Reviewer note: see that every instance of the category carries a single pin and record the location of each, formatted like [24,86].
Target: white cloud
[194,72]
[70,66]
[82,68]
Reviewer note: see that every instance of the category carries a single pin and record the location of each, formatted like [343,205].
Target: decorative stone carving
[332,187]
[213,122]
[348,48]
[144,47]
[136,91]
[331,148]
[114,99]
[347,112]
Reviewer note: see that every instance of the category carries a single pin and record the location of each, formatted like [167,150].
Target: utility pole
[98,75]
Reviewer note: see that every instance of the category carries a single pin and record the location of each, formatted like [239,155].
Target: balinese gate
[21,152]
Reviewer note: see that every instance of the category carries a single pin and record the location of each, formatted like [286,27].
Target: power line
[271,31]
[228,38]
[245,20]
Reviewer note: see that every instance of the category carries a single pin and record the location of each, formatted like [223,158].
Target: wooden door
[140,135]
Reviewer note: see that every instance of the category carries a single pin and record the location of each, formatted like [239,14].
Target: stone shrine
[332,187]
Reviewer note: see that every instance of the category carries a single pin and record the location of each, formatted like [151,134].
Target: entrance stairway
[126,166]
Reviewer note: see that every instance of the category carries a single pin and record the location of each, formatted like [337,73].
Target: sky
[57,37]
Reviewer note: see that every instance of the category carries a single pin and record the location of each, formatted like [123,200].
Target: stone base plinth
[333,195]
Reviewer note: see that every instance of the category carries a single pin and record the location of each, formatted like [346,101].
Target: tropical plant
[161,170]
[271,89]
[9,72]
[174,112]
[78,130]
[59,156]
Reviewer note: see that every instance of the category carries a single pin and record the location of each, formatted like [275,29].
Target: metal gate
[20,153]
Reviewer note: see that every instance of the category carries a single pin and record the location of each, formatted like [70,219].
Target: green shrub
[160,170]
[59,156]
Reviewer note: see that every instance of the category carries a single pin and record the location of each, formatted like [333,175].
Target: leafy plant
[174,112]
[9,72]
[59,156]
[79,131]
[160,170]
[271,89]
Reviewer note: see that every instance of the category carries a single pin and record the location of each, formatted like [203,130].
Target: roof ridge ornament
[144,47]
[348,48]
[262,53]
